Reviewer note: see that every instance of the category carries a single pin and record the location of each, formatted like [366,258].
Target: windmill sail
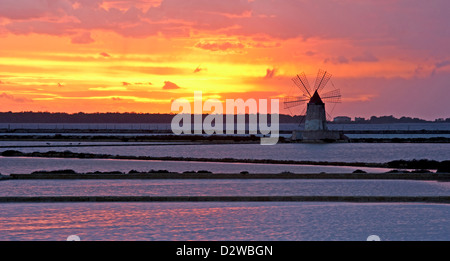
[313,95]
[333,96]
[316,117]
[302,83]
[293,101]
[321,80]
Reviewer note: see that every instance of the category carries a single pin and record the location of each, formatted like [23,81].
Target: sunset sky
[388,57]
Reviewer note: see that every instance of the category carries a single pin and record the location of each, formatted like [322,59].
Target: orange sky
[387,57]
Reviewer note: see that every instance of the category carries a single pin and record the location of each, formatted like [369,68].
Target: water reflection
[223,188]
[342,152]
[224,221]
[23,165]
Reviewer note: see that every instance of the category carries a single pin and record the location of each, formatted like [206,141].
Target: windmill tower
[316,129]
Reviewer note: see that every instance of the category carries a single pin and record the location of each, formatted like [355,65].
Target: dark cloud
[170,86]
[337,60]
[310,53]
[135,83]
[388,23]
[439,65]
[270,73]
[442,64]
[32,9]
[366,57]
[199,69]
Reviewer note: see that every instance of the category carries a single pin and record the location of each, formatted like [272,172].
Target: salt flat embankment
[360,176]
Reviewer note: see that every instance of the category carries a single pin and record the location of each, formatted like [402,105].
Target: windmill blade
[321,80]
[305,82]
[302,83]
[333,96]
[302,117]
[329,117]
[292,101]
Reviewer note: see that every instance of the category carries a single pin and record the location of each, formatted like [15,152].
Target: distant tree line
[47,117]
[109,117]
[392,119]
[152,118]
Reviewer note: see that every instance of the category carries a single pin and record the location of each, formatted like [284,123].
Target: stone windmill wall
[316,129]
[316,119]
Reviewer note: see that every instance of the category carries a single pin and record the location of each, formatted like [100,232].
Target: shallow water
[295,221]
[341,152]
[22,165]
[228,187]
[243,221]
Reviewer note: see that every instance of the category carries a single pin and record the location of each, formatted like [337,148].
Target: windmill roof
[315,99]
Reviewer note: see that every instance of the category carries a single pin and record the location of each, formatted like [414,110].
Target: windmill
[316,120]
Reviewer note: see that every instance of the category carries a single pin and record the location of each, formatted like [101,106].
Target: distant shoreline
[168,175]
[37,117]
[159,136]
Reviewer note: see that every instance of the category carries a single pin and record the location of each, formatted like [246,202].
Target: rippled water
[220,220]
[232,187]
[343,152]
[21,165]
[224,221]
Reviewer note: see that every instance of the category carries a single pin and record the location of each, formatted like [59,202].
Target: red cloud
[385,23]
[31,9]
[12,98]
[105,54]
[41,27]
[170,86]
[84,38]
[213,46]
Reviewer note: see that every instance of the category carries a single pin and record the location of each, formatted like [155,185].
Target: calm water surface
[229,187]
[224,221]
[343,152]
[24,165]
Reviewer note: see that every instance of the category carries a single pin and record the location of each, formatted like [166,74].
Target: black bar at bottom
[221,250]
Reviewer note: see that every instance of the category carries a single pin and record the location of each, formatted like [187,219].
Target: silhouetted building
[342,119]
